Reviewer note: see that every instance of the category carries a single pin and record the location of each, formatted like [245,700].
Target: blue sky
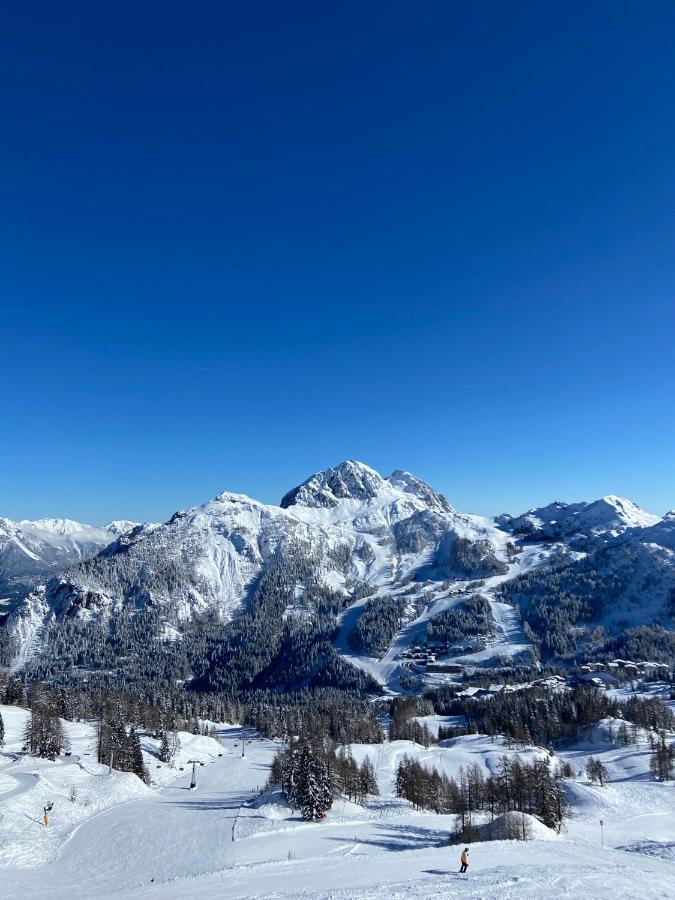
[243,242]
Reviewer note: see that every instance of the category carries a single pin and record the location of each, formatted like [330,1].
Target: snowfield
[225,839]
[78,786]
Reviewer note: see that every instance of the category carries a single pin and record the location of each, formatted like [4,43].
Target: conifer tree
[308,785]
[547,809]
[137,766]
[661,762]
[311,788]
[165,750]
[44,733]
[289,766]
[368,779]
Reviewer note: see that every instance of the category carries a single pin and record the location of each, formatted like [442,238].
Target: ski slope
[508,641]
[219,841]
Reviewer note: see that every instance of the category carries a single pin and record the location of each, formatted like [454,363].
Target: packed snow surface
[226,839]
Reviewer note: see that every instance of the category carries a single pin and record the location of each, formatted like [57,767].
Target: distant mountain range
[339,544]
[607,517]
[30,551]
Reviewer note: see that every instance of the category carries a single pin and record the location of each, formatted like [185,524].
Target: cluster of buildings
[427,657]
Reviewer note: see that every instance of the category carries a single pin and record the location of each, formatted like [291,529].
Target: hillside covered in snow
[111,835]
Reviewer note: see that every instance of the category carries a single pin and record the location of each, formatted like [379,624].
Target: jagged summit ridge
[351,480]
[610,515]
[354,480]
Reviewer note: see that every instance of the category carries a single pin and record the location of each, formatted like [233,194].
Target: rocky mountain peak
[410,484]
[351,480]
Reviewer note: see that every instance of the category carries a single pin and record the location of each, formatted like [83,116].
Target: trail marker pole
[602,832]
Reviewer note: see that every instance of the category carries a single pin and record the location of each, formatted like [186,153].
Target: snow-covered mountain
[342,536]
[612,568]
[607,518]
[397,524]
[661,533]
[354,481]
[204,559]
[32,550]
[351,524]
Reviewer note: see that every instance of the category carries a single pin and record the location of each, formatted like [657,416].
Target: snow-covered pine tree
[313,785]
[165,750]
[308,790]
[137,765]
[547,790]
[403,778]
[2,731]
[368,778]
[66,702]
[325,785]
[43,733]
[661,762]
[12,692]
[289,772]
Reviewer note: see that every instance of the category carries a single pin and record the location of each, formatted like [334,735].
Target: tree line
[515,787]
[539,716]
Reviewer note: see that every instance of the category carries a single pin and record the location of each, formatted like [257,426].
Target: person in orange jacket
[464,859]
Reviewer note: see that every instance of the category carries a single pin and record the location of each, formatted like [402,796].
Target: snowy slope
[436,597]
[662,533]
[78,786]
[172,843]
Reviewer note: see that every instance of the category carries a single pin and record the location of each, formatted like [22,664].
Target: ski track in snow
[175,844]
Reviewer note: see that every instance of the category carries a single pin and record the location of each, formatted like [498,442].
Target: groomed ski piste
[111,836]
[508,640]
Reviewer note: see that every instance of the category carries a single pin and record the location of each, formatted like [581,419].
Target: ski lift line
[194,763]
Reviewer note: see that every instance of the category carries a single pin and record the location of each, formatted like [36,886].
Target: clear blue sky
[241,242]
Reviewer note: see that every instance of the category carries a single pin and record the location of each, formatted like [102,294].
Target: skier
[464,859]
